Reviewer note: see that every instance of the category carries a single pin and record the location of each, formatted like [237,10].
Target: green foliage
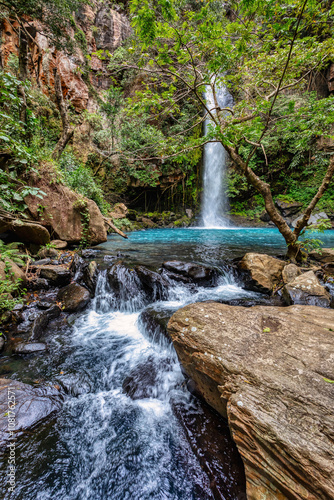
[10,251]
[308,243]
[55,15]
[80,178]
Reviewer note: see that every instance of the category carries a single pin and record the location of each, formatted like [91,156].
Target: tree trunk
[23,56]
[67,131]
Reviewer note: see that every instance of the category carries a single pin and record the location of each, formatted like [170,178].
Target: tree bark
[23,56]
[67,131]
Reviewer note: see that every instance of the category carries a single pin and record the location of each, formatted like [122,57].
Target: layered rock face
[103,27]
[269,371]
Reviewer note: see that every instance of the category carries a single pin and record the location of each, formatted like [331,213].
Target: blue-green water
[212,246]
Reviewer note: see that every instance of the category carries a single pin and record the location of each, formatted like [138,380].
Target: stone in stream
[56,275]
[154,321]
[261,272]
[89,276]
[29,347]
[41,322]
[290,272]
[306,290]
[155,286]
[196,273]
[32,406]
[269,371]
[73,297]
[211,442]
[143,381]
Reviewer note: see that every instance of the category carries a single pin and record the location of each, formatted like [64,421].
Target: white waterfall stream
[214,199]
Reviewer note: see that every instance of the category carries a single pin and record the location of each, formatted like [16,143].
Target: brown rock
[45,253]
[63,212]
[262,271]
[290,272]
[15,272]
[30,232]
[325,255]
[59,244]
[267,369]
[306,289]
[73,297]
[56,275]
[147,222]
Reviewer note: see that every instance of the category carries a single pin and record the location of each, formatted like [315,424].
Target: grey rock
[56,275]
[314,219]
[306,290]
[29,348]
[41,322]
[288,209]
[197,273]
[32,406]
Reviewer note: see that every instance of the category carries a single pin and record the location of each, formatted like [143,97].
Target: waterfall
[214,199]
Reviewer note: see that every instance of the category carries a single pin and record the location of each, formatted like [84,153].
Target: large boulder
[306,289]
[63,211]
[40,323]
[30,232]
[191,272]
[73,297]
[324,255]
[261,272]
[269,371]
[22,407]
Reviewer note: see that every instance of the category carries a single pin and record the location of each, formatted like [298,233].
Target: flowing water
[214,198]
[105,444]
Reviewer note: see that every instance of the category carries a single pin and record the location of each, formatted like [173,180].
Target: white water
[214,198]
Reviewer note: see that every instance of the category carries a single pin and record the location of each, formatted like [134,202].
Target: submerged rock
[261,272]
[196,273]
[268,370]
[32,405]
[73,297]
[144,380]
[306,290]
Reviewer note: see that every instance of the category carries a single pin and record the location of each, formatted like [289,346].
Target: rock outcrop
[261,272]
[306,290]
[32,405]
[15,273]
[269,371]
[63,211]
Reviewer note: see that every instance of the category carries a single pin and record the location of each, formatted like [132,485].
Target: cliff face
[96,27]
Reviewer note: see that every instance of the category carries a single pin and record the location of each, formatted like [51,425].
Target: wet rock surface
[29,347]
[55,275]
[195,273]
[210,440]
[154,321]
[267,370]
[42,321]
[325,255]
[73,297]
[143,381]
[32,406]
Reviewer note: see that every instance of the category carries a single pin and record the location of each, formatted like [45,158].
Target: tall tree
[264,51]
